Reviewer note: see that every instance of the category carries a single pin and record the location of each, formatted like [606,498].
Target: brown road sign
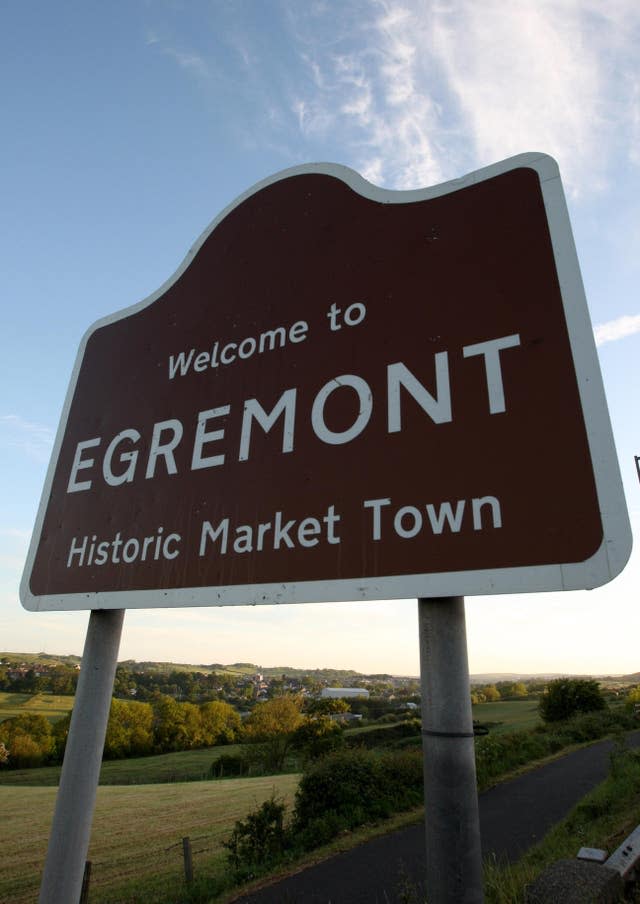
[344,393]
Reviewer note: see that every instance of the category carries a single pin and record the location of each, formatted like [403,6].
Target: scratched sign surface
[344,393]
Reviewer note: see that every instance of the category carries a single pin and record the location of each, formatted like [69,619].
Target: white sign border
[603,566]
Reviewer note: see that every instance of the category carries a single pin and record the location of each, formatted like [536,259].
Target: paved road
[513,816]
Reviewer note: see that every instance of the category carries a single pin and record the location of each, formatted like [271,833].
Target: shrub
[229,765]
[412,743]
[498,754]
[565,697]
[258,841]
[346,782]
[319,830]
[591,726]
[376,737]
[632,700]
[403,777]
[350,787]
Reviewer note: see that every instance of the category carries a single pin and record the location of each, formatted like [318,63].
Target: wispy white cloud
[35,440]
[620,328]
[364,86]
[420,90]
[415,92]
[547,76]
[189,60]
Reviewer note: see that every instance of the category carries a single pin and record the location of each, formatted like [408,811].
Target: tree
[168,724]
[491,693]
[4,754]
[192,730]
[317,736]
[276,688]
[565,697]
[280,715]
[313,685]
[129,730]
[60,735]
[28,738]
[221,724]
[326,705]
[271,726]
[123,683]
[632,700]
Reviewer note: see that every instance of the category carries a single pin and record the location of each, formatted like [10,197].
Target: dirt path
[513,816]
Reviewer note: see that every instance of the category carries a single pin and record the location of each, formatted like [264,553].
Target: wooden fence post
[188,860]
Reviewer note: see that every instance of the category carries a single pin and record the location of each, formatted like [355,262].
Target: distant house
[332,693]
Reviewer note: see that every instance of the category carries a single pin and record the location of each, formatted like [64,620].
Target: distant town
[243,684]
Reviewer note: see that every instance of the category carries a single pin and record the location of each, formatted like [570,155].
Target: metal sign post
[452,825]
[73,815]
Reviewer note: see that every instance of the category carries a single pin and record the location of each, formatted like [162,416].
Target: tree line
[274,729]
[506,690]
[165,725]
[135,729]
[54,679]
[191,686]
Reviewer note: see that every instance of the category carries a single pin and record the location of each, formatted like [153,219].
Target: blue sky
[128,126]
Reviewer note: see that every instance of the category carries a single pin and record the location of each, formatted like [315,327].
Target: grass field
[507,715]
[137,832]
[49,705]
[184,766]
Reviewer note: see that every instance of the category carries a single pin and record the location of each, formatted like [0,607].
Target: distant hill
[41,658]
[495,677]
[345,676]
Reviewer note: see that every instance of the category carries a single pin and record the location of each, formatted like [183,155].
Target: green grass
[184,766]
[373,726]
[135,850]
[52,706]
[507,715]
